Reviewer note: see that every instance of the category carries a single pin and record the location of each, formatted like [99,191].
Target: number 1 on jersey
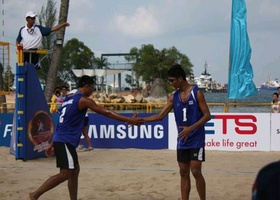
[185,114]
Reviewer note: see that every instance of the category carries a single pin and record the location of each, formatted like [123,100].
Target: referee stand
[32,123]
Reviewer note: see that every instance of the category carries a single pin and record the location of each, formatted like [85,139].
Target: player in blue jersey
[67,137]
[31,37]
[191,113]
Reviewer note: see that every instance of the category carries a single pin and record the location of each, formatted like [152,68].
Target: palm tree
[57,51]
[101,63]
[48,18]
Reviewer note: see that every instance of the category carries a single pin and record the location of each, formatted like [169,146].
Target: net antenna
[3,18]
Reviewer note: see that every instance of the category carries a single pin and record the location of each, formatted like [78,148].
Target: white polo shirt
[32,38]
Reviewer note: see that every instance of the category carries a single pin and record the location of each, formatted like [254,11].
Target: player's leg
[183,158]
[73,183]
[52,182]
[198,156]
[85,134]
[200,181]
[67,161]
[73,163]
[185,179]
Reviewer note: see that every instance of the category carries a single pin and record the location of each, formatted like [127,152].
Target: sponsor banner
[109,133]
[6,126]
[238,132]
[232,132]
[275,132]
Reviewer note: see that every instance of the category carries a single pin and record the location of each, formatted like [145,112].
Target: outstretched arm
[167,108]
[89,103]
[56,28]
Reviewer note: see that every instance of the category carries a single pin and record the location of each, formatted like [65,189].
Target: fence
[156,107]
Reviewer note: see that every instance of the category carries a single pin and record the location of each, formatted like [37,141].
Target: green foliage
[152,63]
[101,63]
[129,80]
[9,78]
[76,55]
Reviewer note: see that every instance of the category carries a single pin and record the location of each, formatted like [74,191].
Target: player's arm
[167,108]
[203,107]
[56,28]
[19,38]
[89,103]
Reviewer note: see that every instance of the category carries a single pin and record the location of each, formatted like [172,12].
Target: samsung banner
[108,133]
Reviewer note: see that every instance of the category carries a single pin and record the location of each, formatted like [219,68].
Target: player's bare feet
[31,197]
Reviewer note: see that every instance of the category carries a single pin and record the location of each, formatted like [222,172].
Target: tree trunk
[57,51]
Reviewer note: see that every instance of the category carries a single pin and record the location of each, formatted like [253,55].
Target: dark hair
[64,86]
[267,182]
[56,88]
[177,72]
[85,80]
[275,93]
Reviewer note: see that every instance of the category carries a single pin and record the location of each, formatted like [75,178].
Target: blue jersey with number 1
[187,113]
[70,122]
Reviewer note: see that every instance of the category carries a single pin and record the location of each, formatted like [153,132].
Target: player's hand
[135,115]
[49,151]
[135,120]
[183,135]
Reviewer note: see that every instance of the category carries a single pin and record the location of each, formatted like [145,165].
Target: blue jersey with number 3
[187,113]
[70,122]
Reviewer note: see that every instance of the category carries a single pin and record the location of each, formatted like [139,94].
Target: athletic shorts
[186,155]
[86,121]
[66,155]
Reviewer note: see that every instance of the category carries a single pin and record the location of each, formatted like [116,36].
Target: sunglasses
[31,18]
[171,80]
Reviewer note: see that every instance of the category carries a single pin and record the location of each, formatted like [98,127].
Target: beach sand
[134,174]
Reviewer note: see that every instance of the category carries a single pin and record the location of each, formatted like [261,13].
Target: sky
[199,29]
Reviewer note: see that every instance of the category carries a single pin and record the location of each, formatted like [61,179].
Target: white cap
[30,14]
[73,91]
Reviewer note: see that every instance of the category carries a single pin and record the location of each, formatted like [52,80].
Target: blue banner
[240,77]
[6,125]
[107,133]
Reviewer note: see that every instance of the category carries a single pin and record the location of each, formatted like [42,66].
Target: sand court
[134,174]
